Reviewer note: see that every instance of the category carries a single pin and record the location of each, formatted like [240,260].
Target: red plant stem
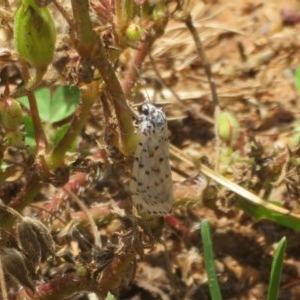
[176,224]
[192,237]
[63,287]
[76,180]
[40,137]
[156,29]
[134,66]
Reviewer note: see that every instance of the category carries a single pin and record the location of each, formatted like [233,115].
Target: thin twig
[94,227]
[135,65]
[162,81]
[201,52]
[64,13]
[206,65]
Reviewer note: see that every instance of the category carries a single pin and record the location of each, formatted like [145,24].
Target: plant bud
[228,127]
[13,263]
[35,239]
[133,32]
[35,34]
[10,113]
[13,139]
[81,271]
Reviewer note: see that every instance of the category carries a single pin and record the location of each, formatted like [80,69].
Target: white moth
[151,183]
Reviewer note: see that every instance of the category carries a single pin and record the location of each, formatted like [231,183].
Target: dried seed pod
[7,240]
[13,263]
[34,238]
[29,243]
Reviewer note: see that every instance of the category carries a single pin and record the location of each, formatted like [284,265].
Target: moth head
[147,109]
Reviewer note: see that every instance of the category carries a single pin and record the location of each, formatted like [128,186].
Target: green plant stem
[91,48]
[121,13]
[33,83]
[276,270]
[86,37]
[89,94]
[123,113]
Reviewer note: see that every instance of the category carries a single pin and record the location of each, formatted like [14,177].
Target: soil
[252,48]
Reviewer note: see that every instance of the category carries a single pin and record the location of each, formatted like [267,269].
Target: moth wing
[160,176]
[151,185]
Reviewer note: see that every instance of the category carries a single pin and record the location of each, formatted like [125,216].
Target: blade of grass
[253,204]
[209,261]
[276,270]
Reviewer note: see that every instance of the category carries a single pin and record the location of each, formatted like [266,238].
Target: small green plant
[215,293]
[276,270]
[209,261]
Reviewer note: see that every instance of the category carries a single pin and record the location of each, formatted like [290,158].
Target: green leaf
[276,270]
[59,134]
[209,261]
[297,78]
[57,106]
[29,132]
[260,212]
